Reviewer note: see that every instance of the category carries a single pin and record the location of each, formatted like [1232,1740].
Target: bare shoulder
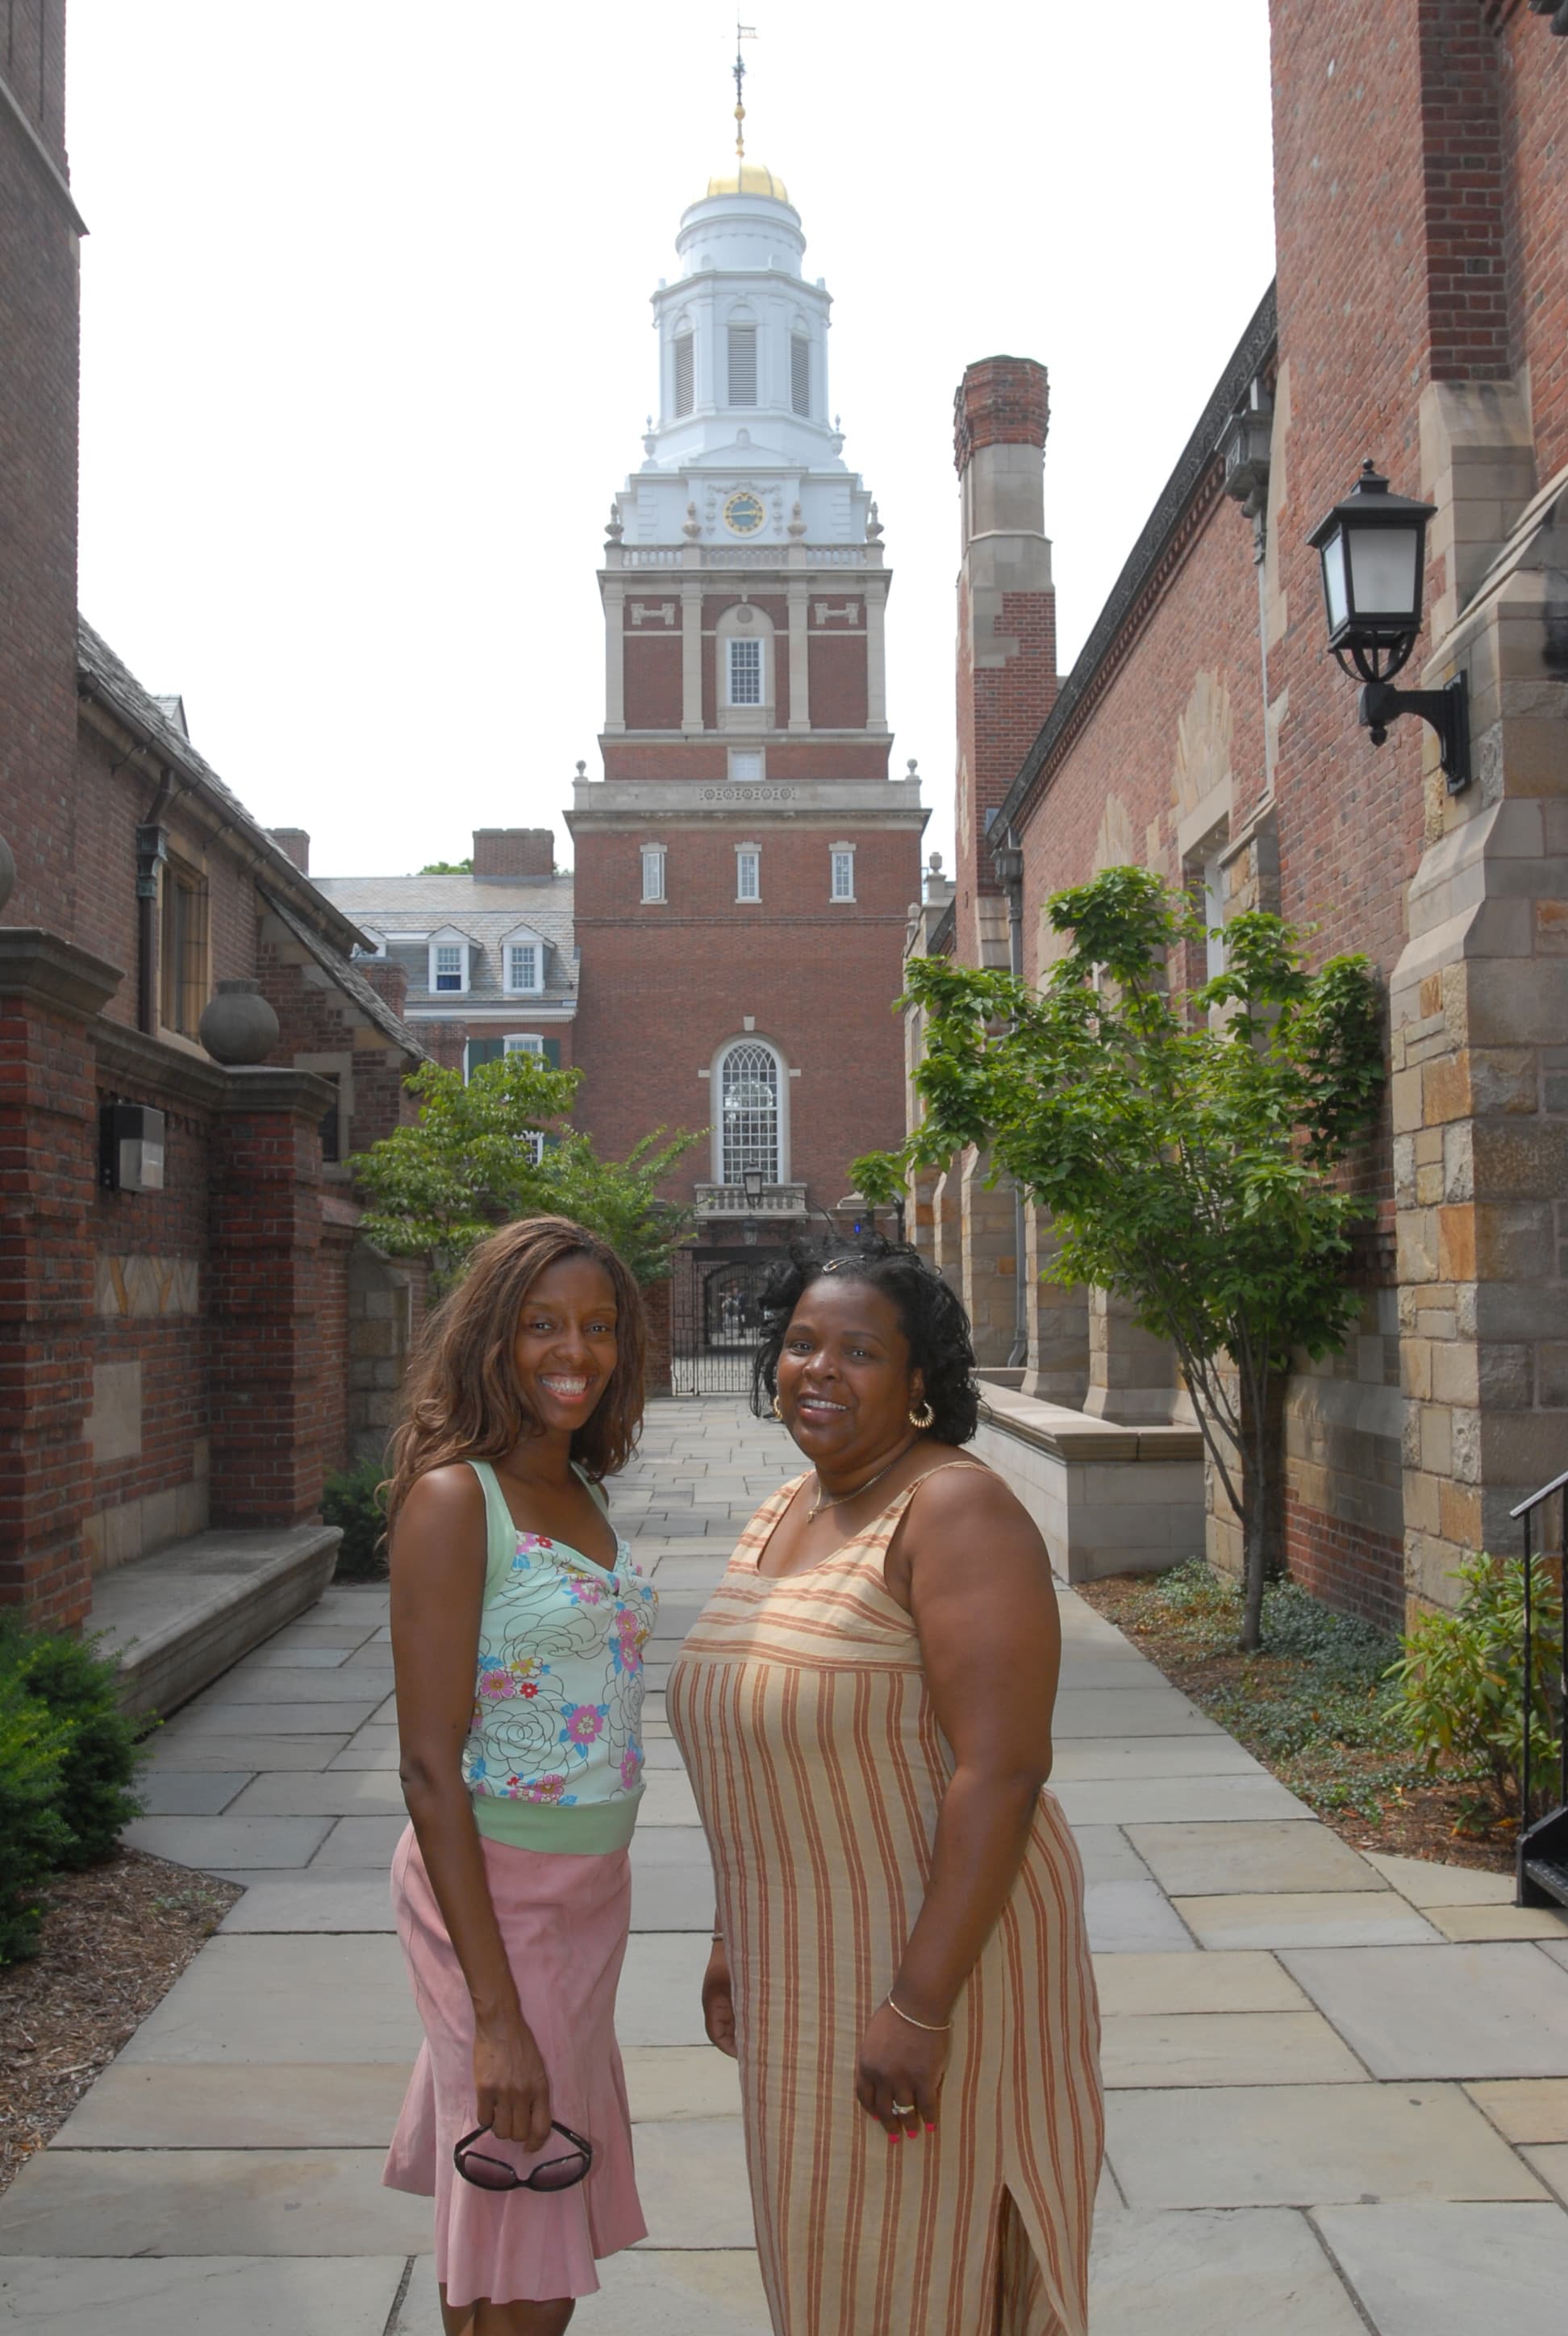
[444,1501]
[967,1509]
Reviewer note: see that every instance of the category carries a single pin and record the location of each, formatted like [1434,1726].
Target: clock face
[743,513]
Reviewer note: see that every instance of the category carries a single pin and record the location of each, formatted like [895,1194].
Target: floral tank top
[554,1756]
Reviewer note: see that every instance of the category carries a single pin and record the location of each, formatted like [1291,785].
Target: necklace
[837,1500]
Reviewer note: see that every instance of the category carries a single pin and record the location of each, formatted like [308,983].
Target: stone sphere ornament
[238,1026]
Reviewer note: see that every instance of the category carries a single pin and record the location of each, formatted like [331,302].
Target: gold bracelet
[939,2030]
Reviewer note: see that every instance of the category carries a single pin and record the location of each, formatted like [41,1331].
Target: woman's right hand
[719,2002]
[510,2079]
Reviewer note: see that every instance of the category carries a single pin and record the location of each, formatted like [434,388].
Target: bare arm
[980,1591]
[438,1556]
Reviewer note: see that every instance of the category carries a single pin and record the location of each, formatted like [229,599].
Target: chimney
[513,852]
[1007,644]
[387,979]
[296,842]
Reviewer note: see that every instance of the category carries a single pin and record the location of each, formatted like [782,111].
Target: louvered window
[743,364]
[746,673]
[685,374]
[800,373]
[748,874]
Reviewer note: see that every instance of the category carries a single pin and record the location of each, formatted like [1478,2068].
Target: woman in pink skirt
[517,1625]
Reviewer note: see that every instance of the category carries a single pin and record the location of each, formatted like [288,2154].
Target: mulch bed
[115,1940]
[1417,1817]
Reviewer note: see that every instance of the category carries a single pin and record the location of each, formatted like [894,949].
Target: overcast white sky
[367,343]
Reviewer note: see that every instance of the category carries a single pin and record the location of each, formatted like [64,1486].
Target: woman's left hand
[901,2064]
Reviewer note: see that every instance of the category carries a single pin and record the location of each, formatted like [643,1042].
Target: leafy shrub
[33,1836]
[1461,1682]
[353,1500]
[100,1755]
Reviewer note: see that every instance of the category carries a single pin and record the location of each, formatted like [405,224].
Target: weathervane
[742,32]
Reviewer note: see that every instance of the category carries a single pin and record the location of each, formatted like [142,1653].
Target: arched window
[748,1112]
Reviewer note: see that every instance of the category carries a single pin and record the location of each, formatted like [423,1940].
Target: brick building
[489,959]
[745,863]
[190,1332]
[1419,316]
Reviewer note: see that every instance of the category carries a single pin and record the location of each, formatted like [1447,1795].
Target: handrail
[1525,1510]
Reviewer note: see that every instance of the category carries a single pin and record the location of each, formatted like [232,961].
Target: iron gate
[715,1319]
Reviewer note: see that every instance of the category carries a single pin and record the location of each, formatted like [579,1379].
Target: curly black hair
[930,1316]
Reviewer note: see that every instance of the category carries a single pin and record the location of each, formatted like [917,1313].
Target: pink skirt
[564,1919]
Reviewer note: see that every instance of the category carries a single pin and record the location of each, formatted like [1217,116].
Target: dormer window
[522,963]
[743,364]
[449,956]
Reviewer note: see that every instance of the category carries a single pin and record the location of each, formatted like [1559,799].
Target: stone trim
[267,1086]
[130,1055]
[43,968]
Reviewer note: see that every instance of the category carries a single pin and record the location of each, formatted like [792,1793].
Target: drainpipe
[1007,860]
[151,851]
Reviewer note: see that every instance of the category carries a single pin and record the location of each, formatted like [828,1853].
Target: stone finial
[691,527]
[582,769]
[238,1025]
[935,863]
[914,772]
[648,440]
[797,525]
[836,437]
[613,529]
[873,524]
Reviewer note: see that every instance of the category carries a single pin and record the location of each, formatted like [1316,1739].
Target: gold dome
[750,179]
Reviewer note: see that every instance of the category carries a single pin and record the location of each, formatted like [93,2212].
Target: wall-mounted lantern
[130,1148]
[1373,551]
[752,1181]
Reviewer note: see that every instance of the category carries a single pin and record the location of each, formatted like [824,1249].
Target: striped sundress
[801,1708]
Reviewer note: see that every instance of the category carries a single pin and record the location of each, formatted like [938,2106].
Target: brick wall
[1533,95]
[38,361]
[663,987]
[513,852]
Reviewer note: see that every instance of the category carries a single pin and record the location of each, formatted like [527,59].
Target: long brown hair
[460,1399]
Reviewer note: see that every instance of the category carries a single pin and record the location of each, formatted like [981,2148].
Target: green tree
[447,868]
[1186,1143]
[487,1151]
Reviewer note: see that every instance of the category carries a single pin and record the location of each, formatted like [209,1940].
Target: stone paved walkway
[1338,2086]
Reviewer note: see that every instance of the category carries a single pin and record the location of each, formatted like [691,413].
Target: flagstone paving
[1337,2085]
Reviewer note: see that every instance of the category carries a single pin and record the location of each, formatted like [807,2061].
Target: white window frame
[522,941]
[737,643]
[652,860]
[521,1042]
[715,1104]
[841,853]
[748,865]
[747,765]
[446,942]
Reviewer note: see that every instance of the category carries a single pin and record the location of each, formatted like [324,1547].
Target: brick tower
[744,865]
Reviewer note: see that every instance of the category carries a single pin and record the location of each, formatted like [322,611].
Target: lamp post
[752,1179]
[1372,548]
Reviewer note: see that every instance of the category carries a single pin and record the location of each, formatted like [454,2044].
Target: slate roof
[485,909]
[348,978]
[100,675]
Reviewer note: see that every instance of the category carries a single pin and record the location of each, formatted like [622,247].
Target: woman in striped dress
[899,1962]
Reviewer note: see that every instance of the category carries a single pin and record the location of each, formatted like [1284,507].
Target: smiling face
[845,1387]
[564,1352]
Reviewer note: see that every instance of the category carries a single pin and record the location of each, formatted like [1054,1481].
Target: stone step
[175,1620]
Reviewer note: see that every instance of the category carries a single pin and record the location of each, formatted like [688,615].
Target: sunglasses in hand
[495,2174]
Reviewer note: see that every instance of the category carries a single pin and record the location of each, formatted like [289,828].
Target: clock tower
[744,863]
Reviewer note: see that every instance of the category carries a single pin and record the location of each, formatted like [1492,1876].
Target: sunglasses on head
[495,2174]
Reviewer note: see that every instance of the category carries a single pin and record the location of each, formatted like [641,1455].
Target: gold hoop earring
[923,1419]
[777,1412]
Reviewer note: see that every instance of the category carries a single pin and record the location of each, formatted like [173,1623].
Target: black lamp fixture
[752,1184]
[1373,550]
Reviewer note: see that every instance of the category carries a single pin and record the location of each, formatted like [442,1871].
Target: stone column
[1132,1374]
[1058,1322]
[990,1263]
[800,660]
[876,657]
[265,1252]
[614,657]
[691,655]
[49,994]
